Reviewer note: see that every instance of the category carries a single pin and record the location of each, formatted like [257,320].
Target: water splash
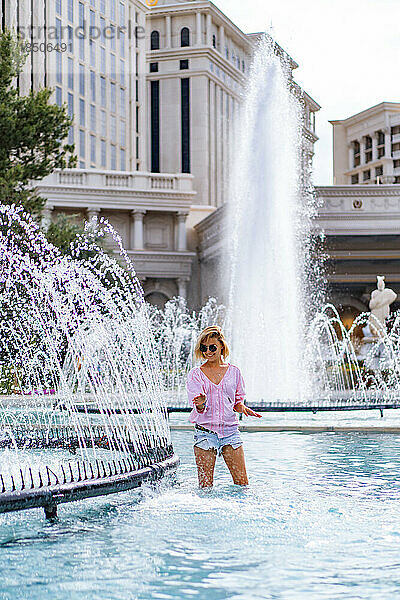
[268,218]
[75,338]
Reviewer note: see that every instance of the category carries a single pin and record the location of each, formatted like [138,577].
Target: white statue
[379,304]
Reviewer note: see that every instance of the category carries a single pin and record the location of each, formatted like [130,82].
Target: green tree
[32,132]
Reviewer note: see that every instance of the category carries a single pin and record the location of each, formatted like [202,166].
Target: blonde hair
[211,332]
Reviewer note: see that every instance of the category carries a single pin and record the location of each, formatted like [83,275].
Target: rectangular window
[59,67]
[103,93]
[92,20]
[122,71]
[123,133]
[122,107]
[58,96]
[366,175]
[395,147]
[103,123]
[113,158]
[137,90]
[121,14]
[137,147]
[185,124]
[354,178]
[92,117]
[102,30]
[70,39]
[103,151]
[381,138]
[396,164]
[154,67]
[93,86]
[184,64]
[81,164]
[113,128]
[71,73]
[103,6]
[82,116]
[155,126]
[81,14]
[112,37]
[93,148]
[71,11]
[82,80]
[59,31]
[71,135]
[113,67]
[122,43]
[379,171]
[112,10]
[102,60]
[70,103]
[381,152]
[58,7]
[113,97]
[92,48]
[81,47]
[123,160]
[395,129]
[82,143]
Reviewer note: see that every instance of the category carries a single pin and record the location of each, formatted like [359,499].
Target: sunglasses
[212,348]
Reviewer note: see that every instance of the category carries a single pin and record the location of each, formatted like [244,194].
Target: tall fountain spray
[268,222]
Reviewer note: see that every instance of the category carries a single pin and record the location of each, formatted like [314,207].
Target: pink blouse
[221,398]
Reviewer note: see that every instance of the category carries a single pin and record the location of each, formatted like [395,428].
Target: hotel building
[366,146]
[154,93]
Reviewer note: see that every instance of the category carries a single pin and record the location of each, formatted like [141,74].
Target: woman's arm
[248,412]
[195,391]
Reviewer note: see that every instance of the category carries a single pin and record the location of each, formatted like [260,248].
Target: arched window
[185,37]
[155,40]
[214,41]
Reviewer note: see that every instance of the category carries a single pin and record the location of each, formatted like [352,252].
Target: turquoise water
[319,520]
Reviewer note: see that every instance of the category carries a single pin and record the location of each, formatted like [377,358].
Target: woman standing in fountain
[216,390]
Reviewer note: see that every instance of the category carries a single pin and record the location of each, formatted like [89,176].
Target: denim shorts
[206,441]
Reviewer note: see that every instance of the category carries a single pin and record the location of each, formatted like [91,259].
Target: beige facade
[366,146]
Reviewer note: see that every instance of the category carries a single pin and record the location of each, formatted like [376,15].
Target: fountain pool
[319,520]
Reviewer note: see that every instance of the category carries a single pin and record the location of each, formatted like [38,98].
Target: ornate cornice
[359,191]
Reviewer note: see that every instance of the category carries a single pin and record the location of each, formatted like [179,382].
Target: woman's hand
[248,412]
[200,403]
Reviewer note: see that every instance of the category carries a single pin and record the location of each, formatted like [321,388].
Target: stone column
[199,33]
[46,216]
[209,30]
[362,151]
[351,156]
[388,143]
[374,137]
[182,216]
[137,237]
[168,36]
[222,40]
[182,286]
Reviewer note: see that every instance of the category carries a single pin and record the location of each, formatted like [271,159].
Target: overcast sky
[348,53]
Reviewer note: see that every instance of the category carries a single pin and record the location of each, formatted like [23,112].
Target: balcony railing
[141,181]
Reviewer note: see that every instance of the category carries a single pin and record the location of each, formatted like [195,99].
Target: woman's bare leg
[205,461]
[234,460]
